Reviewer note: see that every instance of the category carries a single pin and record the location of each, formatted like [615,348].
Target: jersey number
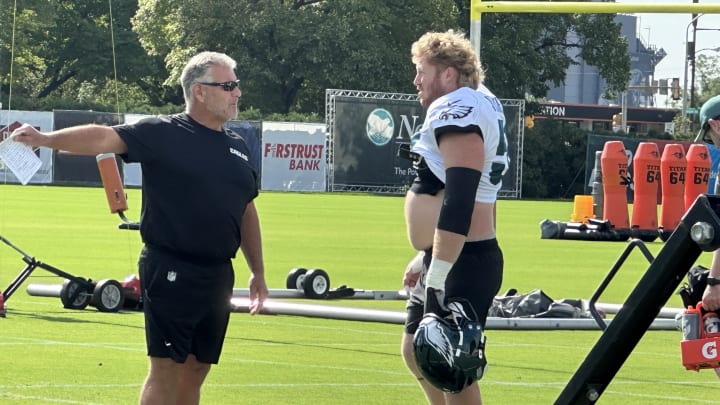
[497,169]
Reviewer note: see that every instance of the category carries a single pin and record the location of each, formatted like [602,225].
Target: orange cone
[646,175]
[697,173]
[672,174]
[614,168]
[582,209]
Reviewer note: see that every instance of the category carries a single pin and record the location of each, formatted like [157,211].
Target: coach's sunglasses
[227,86]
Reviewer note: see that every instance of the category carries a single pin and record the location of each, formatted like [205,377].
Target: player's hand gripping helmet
[450,351]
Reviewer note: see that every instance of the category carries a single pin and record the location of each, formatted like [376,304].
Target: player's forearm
[447,245]
[715,266]
[446,249]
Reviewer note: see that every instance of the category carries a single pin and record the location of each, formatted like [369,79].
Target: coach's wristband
[437,273]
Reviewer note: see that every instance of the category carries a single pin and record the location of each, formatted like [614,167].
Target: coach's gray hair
[197,68]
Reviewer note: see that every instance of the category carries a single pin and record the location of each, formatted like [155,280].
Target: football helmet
[710,109]
[450,351]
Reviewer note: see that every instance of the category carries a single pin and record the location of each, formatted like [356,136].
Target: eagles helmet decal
[440,342]
[455,111]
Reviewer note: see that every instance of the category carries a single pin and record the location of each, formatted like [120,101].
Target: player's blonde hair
[450,49]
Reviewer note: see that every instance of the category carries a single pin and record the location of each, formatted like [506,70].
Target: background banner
[367,134]
[293,157]
[42,120]
[368,128]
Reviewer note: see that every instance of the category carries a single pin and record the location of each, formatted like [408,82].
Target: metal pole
[623,109]
[692,75]
[685,76]
[475,25]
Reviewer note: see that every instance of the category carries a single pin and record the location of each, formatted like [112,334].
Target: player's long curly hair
[450,49]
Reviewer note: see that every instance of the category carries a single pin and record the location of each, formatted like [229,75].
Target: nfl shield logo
[171,276]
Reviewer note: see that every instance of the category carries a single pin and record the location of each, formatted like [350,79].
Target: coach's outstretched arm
[89,139]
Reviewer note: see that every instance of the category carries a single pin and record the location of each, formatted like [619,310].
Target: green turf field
[50,355]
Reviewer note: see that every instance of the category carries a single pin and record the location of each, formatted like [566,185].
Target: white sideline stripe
[560,384]
[556,384]
[141,346]
[47,400]
[260,385]
[307,326]
[43,386]
[624,394]
[48,342]
[340,384]
[669,354]
[305,365]
[661,397]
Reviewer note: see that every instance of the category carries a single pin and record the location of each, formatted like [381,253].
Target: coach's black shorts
[186,306]
[475,276]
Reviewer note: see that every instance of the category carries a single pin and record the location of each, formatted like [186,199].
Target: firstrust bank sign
[299,156]
[293,157]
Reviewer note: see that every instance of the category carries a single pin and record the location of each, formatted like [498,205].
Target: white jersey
[465,110]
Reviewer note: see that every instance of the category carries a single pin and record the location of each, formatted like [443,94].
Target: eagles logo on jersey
[455,111]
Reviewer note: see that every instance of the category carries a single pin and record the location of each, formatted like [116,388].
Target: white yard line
[45,399]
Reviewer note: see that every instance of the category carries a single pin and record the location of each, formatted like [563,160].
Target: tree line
[126,56]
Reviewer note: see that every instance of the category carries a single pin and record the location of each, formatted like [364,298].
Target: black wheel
[74,295]
[295,278]
[316,283]
[108,296]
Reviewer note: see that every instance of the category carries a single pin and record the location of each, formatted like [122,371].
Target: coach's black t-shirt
[196,185]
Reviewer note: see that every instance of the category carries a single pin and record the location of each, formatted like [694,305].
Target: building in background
[585,87]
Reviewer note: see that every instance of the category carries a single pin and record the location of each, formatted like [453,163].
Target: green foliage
[250,114]
[62,47]
[536,53]
[365,46]
[553,160]
[554,156]
[288,52]
[707,69]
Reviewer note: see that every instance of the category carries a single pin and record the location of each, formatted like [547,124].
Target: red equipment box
[703,352]
[700,353]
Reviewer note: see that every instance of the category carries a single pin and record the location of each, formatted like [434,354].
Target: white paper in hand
[20,159]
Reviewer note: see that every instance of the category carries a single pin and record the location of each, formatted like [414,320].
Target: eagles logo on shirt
[455,111]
